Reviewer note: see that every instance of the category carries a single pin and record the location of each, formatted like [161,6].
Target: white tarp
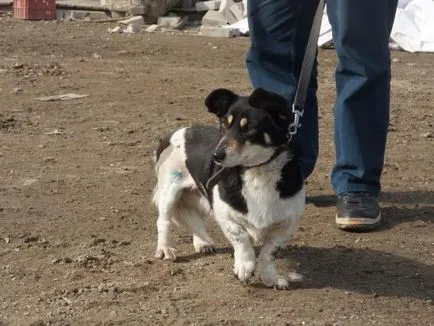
[413,28]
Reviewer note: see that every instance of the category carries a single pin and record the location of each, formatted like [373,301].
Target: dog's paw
[206,250]
[281,284]
[203,247]
[243,270]
[278,282]
[165,253]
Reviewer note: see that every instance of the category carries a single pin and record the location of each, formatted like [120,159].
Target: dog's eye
[229,119]
[226,121]
[244,123]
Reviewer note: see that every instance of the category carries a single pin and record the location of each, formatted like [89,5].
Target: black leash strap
[216,177]
[306,71]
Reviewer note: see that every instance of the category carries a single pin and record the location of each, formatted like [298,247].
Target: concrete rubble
[128,26]
[214,18]
[65,14]
[221,20]
[214,31]
[150,9]
[207,5]
[220,16]
[152,28]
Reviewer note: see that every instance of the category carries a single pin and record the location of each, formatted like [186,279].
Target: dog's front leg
[267,272]
[245,259]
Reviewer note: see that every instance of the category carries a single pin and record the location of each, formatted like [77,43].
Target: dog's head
[252,127]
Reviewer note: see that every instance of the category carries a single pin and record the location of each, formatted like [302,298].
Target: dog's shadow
[197,256]
[364,271]
[361,270]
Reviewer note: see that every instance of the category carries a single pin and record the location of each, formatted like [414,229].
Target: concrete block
[214,31]
[117,5]
[136,20]
[152,28]
[225,4]
[116,29]
[237,9]
[151,9]
[214,18]
[207,5]
[80,15]
[229,16]
[182,23]
[131,29]
[245,8]
[166,21]
[118,14]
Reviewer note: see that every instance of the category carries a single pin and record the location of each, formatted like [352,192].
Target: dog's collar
[223,171]
[279,150]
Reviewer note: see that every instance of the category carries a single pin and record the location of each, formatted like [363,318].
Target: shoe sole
[357,223]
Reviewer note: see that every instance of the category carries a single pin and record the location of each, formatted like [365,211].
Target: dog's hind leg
[166,198]
[195,208]
[202,242]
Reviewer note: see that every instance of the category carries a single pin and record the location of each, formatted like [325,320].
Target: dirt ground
[77,228]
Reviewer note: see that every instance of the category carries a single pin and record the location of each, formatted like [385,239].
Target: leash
[306,71]
[300,93]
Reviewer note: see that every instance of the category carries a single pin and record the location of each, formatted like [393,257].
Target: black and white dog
[245,174]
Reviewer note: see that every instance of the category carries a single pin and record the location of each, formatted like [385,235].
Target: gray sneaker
[357,211]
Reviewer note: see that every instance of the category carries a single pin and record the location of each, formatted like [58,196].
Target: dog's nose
[219,154]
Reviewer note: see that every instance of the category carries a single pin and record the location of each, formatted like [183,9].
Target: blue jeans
[279,31]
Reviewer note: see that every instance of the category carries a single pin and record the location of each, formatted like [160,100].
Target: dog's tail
[164,143]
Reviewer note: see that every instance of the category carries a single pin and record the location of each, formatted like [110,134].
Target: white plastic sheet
[413,29]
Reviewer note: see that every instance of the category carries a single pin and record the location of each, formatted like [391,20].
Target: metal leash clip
[293,127]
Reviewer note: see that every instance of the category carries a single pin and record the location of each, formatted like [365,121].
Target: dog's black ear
[271,102]
[274,104]
[219,101]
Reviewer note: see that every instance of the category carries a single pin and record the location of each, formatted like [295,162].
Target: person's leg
[279,30]
[361,30]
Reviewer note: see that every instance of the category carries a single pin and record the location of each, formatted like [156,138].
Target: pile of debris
[221,17]
[128,26]
[216,18]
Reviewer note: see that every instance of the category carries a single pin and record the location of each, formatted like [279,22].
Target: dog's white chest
[265,207]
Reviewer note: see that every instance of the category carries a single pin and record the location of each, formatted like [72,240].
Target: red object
[35,9]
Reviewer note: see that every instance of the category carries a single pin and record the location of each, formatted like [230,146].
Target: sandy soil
[77,228]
